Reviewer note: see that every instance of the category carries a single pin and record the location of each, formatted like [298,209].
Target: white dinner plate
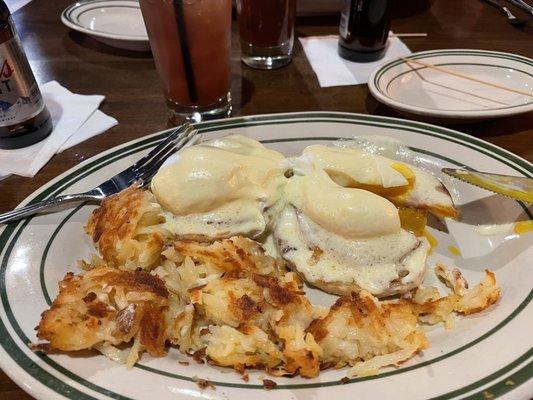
[487,355]
[418,90]
[117,23]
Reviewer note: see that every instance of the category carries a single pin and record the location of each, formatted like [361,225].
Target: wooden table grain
[130,84]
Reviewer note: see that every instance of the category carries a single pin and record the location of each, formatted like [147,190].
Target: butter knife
[516,187]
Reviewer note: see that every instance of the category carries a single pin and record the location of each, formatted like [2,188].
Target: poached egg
[404,185]
[221,188]
[346,239]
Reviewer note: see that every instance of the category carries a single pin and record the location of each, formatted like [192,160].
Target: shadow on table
[318,20]
[497,127]
[93,44]
[408,8]
[486,128]
[247,90]
[399,9]
[272,91]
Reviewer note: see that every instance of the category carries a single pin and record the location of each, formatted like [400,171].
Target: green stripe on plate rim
[503,56]
[67,12]
[504,385]
[71,177]
[440,53]
[498,389]
[77,21]
[83,11]
[385,91]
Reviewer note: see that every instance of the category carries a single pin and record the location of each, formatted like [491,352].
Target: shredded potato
[127,231]
[231,304]
[107,305]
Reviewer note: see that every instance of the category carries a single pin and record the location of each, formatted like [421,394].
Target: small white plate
[419,90]
[487,355]
[117,23]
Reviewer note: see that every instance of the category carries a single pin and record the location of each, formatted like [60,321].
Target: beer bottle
[364,29]
[24,118]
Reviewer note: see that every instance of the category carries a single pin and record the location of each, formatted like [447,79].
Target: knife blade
[516,187]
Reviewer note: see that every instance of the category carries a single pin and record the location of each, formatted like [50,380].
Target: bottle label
[352,8]
[20,98]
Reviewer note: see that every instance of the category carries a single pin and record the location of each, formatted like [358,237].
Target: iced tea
[191,44]
[267,32]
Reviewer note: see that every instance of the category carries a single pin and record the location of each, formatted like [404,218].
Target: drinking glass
[191,44]
[267,32]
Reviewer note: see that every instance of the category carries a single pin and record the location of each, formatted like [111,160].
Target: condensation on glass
[267,32]
[191,45]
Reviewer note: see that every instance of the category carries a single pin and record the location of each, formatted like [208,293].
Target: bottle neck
[7,30]
[4,14]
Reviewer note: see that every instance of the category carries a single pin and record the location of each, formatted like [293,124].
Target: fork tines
[148,166]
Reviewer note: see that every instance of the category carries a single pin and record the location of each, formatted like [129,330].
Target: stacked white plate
[117,23]
[418,90]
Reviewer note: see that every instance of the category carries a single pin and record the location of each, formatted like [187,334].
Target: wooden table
[129,82]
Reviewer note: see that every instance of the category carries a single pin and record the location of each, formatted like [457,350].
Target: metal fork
[508,14]
[141,172]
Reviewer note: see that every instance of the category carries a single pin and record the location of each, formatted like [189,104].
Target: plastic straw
[185,52]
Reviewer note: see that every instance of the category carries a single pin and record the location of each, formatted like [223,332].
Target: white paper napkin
[75,117]
[14,5]
[97,123]
[332,70]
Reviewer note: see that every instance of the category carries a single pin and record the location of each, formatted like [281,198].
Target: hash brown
[230,303]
